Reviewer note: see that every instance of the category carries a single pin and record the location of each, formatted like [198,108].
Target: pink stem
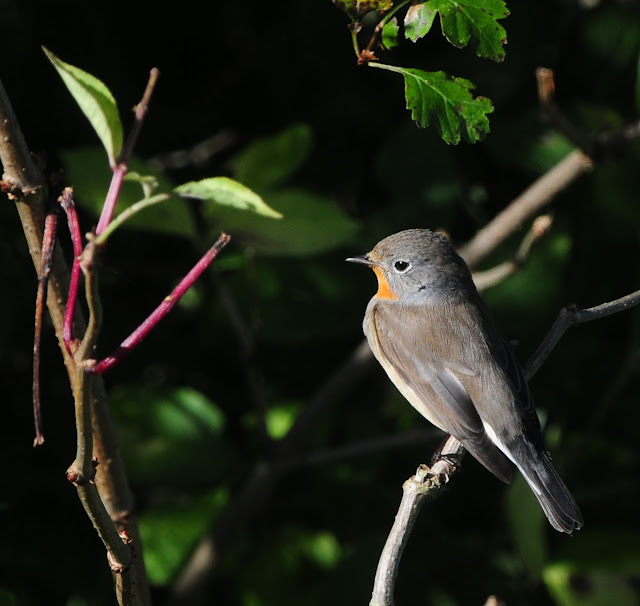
[67,203]
[48,245]
[122,165]
[162,310]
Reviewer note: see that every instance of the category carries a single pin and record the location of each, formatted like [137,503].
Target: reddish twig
[162,310]
[122,166]
[69,207]
[48,245]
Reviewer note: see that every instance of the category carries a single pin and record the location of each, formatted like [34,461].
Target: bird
[431,332]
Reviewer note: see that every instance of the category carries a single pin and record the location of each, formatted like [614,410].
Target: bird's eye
[401,266]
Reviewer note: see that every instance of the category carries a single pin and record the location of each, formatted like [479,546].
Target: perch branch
[414,489]
[427,482]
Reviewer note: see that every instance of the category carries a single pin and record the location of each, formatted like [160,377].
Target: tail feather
[557,502]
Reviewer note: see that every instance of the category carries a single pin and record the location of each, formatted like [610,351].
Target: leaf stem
[162,310]
[380,26]
[127,214]
[122,166]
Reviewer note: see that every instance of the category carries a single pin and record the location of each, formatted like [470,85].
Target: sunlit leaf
[418,21]
[463,21]
[95,101]
[227,192]
[448,100]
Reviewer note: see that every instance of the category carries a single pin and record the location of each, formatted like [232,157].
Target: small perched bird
[432,334]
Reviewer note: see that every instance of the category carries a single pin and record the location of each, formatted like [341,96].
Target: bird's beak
[363,259]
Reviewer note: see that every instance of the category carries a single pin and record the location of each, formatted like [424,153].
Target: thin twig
[552,115]
[525,206]
[69,207]
[134,339]
[121,168]
[570,316]
[48,247]
[499,273]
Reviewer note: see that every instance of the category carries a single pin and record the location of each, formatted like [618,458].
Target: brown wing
[435,373]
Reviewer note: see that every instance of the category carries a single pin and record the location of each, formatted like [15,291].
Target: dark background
[249,70]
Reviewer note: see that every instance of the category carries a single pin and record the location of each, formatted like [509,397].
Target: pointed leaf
[95,101]
[469,20]
[227,192]
[448,100]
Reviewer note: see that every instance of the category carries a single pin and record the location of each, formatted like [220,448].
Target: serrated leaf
[86,169]
[227,192]
[270,161]
[418,22]
[472,20]
[390,34]
[448,100]
[95,101]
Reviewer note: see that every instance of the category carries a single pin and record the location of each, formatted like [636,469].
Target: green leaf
[170,532]
[270,161]
[418,21]
[312,224]
[528,524]
[86,169]
[96,102]
[448,100]
[467,20]
[165,434]
[227,192]
[572,587]
[280,418]
[390,34]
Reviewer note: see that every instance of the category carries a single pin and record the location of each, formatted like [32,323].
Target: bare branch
[570,316]
[491,277]
[525,206]
[427,482]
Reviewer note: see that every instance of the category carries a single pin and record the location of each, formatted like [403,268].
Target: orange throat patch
[384,290]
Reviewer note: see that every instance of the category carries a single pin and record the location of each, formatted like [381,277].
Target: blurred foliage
[331,146]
